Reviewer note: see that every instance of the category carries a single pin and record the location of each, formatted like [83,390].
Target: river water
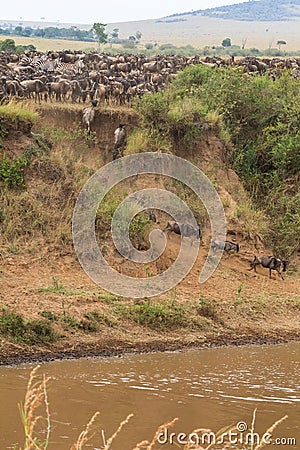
[207,388]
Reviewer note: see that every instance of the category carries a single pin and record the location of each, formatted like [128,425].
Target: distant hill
[253,10]
[261,24]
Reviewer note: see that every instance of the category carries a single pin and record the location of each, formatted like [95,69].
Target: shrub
[260,117]
[160,315]
[16,327]
[12,172]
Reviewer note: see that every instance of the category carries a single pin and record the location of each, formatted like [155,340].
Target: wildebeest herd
[80,77]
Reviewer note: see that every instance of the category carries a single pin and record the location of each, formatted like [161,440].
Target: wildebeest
[227,246]
[88,115]
[35,87]
[118,78]
[184,229]
[271,263]
[60,88]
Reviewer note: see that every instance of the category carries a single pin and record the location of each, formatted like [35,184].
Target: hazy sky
[105,11]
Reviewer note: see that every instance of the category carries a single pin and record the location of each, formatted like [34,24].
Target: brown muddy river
[209,388]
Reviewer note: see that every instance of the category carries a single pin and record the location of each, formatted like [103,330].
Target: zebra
[70,68]
[40,64]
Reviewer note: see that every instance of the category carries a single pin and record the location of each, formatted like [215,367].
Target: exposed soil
[249,307]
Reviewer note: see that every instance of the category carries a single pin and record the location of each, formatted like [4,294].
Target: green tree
[39,32]
[148,46]
[115,33]
[27,31]
[18,31]
[99,30]
[226,42]
[4,31]
[8,45]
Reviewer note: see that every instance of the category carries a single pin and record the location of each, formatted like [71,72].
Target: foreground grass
[112,312]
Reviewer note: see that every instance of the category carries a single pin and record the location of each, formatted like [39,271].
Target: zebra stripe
[39,63]
[70,68]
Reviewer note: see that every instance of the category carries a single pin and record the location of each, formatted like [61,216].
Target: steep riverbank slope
[50,308]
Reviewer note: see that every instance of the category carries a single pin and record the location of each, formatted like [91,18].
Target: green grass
[138,142]
[59,134]
[91,322]
[161,315]
[138,226]
[12,171]
[32,332]
[57,287]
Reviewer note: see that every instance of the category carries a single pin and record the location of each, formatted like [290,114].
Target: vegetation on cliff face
[38,183]
[259,116]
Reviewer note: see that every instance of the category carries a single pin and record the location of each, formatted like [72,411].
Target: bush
[161,315]
[12,172]
[256,114]
[36,331]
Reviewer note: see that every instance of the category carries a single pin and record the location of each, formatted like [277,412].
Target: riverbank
[11,354]
[245,309]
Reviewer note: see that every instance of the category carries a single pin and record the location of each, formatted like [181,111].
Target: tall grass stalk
[35,397]
[84,436]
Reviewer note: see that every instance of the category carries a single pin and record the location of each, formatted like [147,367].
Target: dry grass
[36,399]
[84,436]
[138,142]
[252,220]
[214,119]
[150,445]
[198,31]
[45,45]
[43,210]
